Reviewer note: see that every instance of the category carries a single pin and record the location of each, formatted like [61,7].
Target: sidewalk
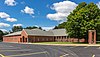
[65,44]
[60,44]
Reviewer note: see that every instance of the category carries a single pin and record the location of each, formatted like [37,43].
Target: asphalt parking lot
[30,50]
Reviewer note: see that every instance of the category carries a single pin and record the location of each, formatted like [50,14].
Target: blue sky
[43,13]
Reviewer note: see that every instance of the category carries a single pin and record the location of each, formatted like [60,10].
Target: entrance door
[23,39]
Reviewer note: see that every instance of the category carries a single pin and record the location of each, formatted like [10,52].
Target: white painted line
[98,48]
[64,55]
[9,48]
[71,47]
[27,54]
[86,47]
[2,55]
[93,55]
[6,46]
[15,50]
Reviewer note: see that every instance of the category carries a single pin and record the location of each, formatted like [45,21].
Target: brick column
[94,37]
[90,37]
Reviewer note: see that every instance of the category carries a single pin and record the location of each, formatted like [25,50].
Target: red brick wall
[24,34]
[76,40]
[41,38]
[11,38]
[69,40]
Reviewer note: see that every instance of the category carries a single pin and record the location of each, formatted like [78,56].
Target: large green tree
[85,17]
[61,26]
[98,31]
[17,28]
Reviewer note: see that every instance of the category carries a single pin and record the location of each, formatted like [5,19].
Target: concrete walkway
[61,44]
[65,44]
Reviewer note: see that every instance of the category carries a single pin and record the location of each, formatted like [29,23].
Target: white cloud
[98,4]
[28,10]
[4,30]
[10,2]
[57,16]
[17,25]
[47,28]
[36,26]
[7,17]
[22,2]
[4,25]
[33,16]
[11,19]
[62,9]
[4,15]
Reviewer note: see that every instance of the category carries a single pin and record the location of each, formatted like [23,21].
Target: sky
[41,13]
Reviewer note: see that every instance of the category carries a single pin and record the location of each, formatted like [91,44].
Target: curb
[64,44]
[60,44]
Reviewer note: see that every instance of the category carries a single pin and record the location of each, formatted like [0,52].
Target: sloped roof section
[59,32]
[15,33]
[38,32]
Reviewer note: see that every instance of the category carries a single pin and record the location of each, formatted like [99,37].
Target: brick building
[36,35]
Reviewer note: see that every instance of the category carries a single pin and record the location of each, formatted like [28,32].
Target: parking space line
[73,47]
[2,55]
[27,54]
[9,48]
[15,50]
[98,48]
[86,47]
[93,55]
[64,55]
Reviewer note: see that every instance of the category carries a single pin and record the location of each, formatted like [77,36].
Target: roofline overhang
[45,35]
[12,35]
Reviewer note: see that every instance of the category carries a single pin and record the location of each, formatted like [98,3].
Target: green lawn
[0,40]
[61,43]
[98,42]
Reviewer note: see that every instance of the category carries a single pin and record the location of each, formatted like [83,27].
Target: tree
[56,27]
[40,28]
[17,28]
[85,17]
[5,33]
[98,31]
[33,27]
[1,34]
[60,26]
